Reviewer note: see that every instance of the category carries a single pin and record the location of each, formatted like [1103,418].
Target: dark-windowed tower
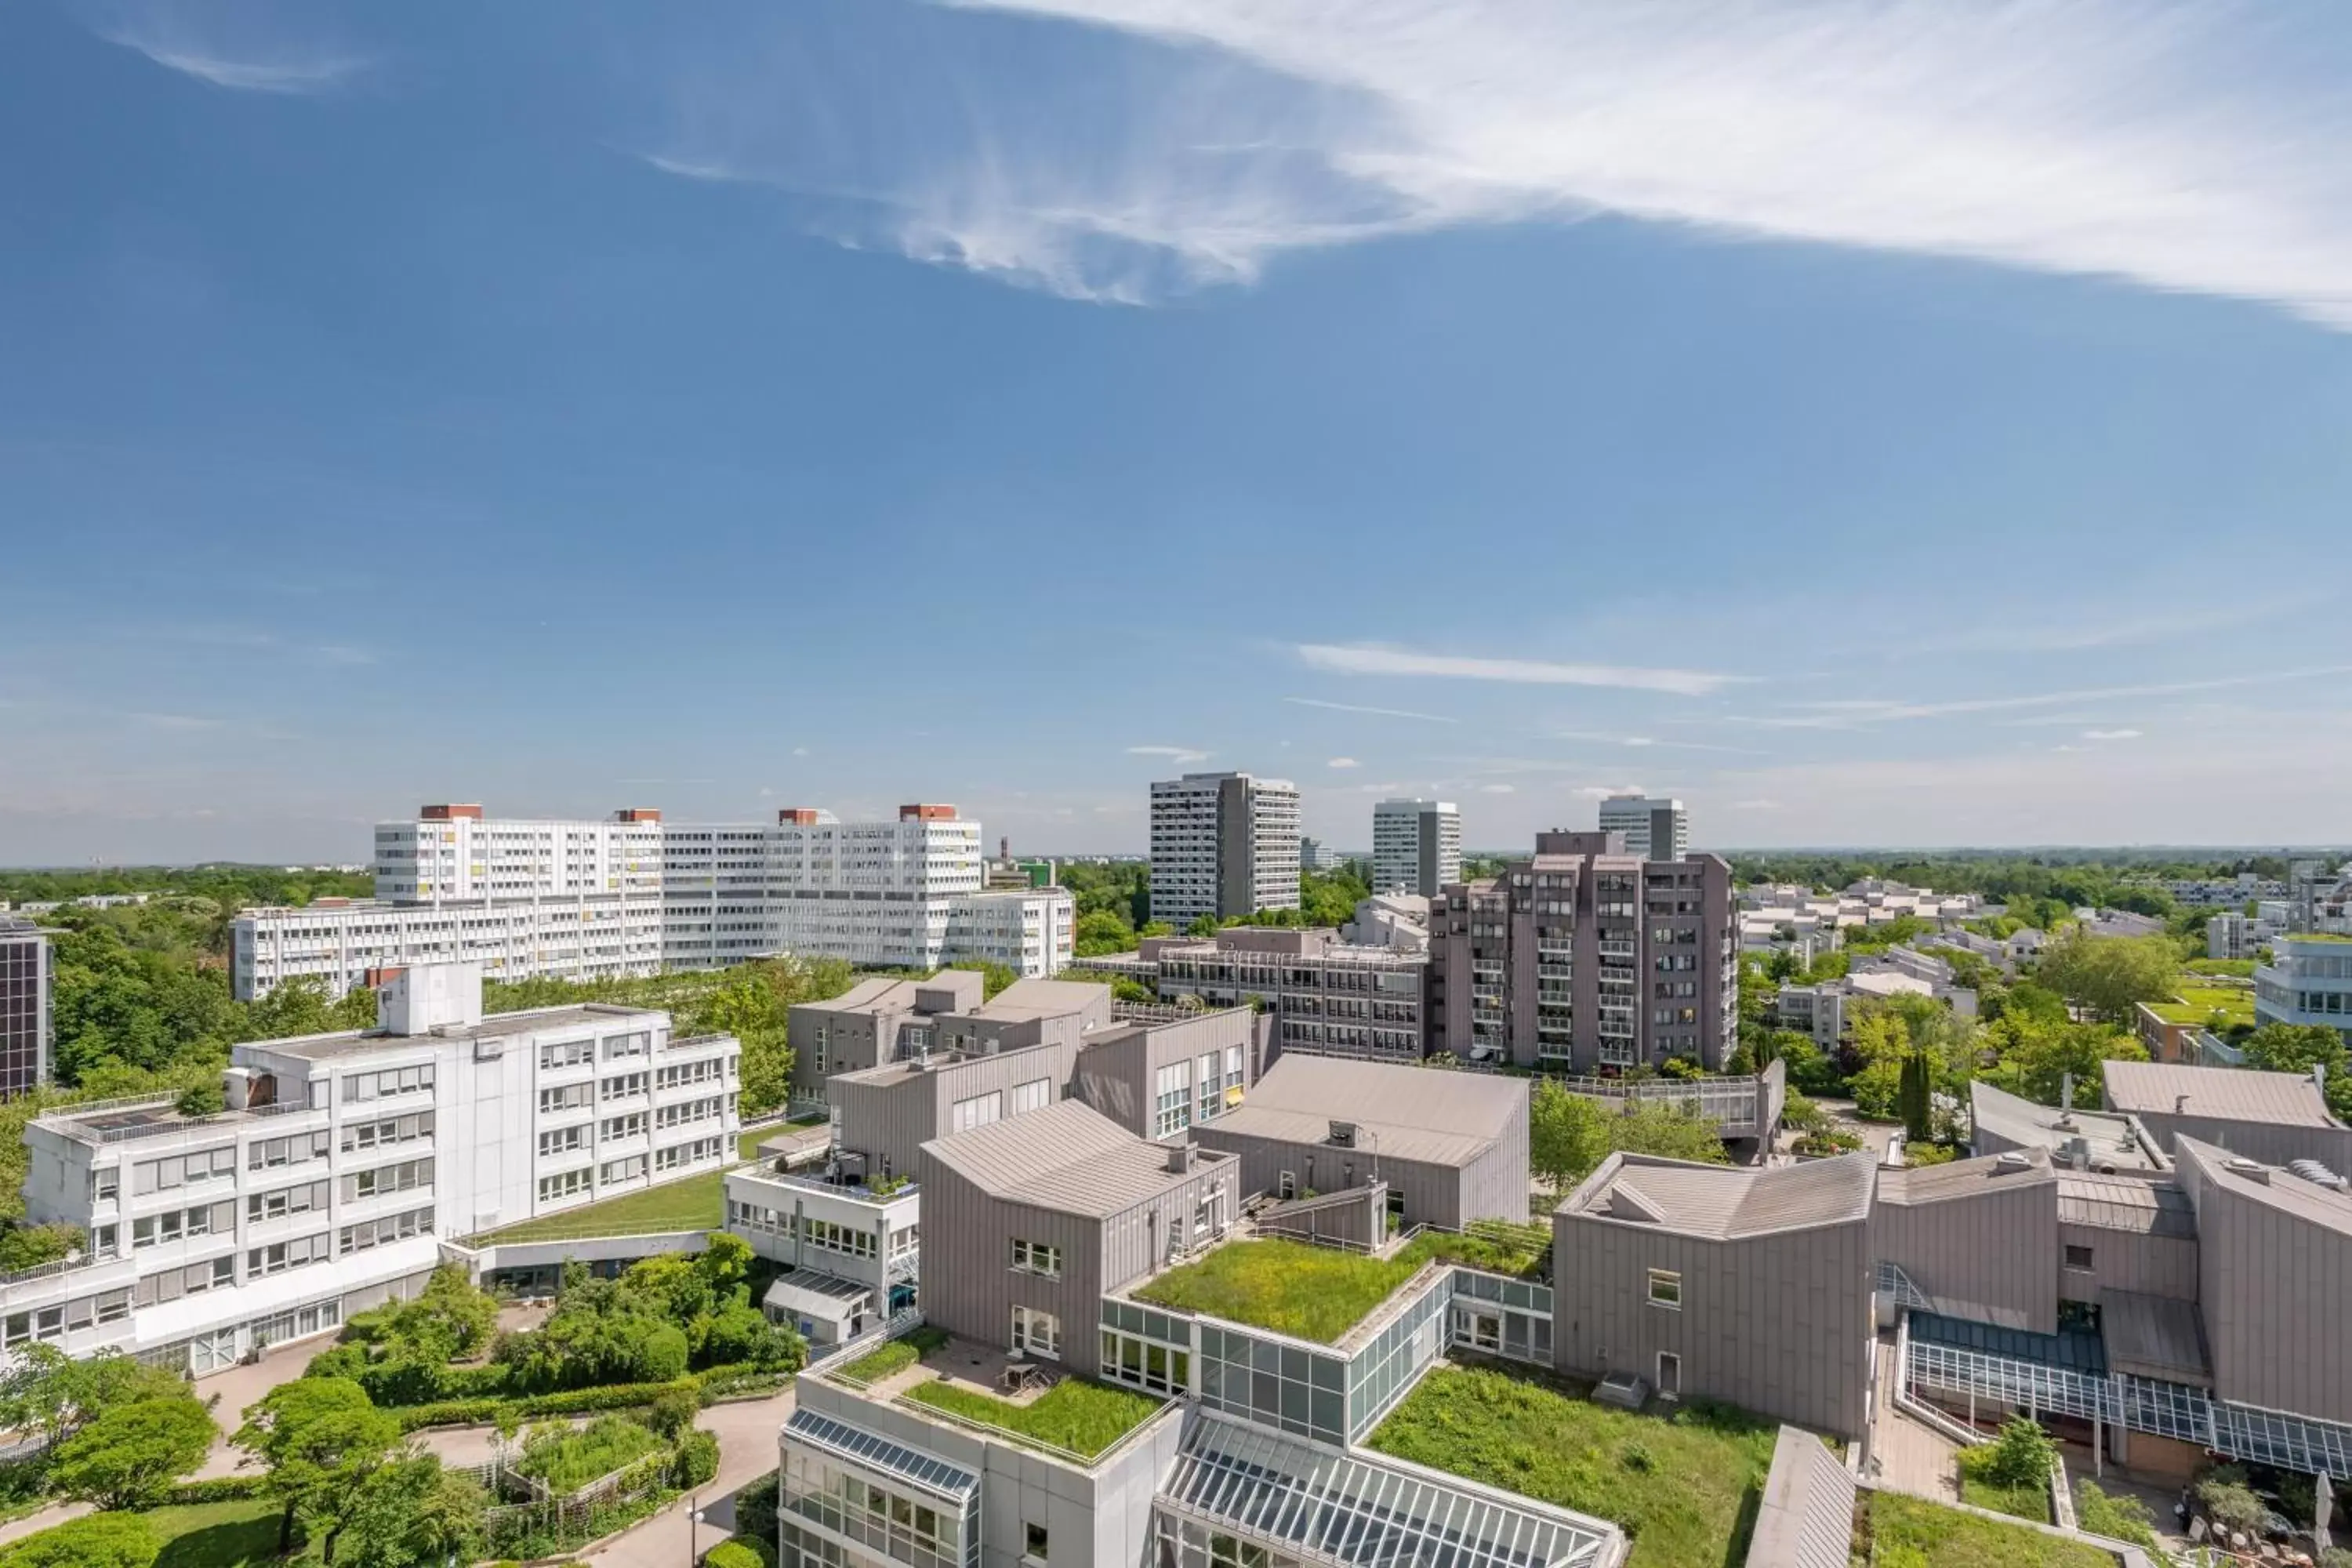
[23,1006]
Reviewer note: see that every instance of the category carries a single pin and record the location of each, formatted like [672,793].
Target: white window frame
[1671,1279]
[1674,1392]
[1037,1331]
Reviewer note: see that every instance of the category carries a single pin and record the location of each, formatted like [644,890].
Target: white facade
[635,896]
[1416,847]
[344,1159]
[1223,844]
[1631,815]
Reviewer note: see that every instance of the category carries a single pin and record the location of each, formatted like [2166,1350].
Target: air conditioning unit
[1343,1134]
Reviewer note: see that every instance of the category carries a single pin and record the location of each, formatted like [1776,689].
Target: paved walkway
[228,1392]
[746,1431]
[1910,1456]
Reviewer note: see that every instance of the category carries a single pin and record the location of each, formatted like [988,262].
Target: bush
[696,1461]
[567,1460]
[201,1100]
[94,1541]
[672,1411]
[220,1488]
[755,1511]
[24,1247]
[2019,1457]
[2119,1518]
[570,1401]
[733,1554]
[2226,1499]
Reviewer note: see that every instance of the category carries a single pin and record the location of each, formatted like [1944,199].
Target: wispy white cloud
[1343,763]
[1498,789]
[1857,713]
[1366,660]
[201,43]
[2111,734]
[2181,144]
[1174,753]
[1602,792]
[1360,708]
[1641,741]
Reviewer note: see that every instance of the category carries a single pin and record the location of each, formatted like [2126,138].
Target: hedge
[733,1554]
[570,1401]
[220,1488]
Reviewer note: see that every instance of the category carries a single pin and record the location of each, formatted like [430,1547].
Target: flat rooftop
[493,1026]
[1319,1293]
[2111,1139]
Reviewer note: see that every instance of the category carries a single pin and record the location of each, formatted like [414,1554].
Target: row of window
[382,1232]
[390,1081]
[361,1136]
[1036,1257]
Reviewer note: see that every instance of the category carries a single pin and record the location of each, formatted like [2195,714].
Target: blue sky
[1876,422]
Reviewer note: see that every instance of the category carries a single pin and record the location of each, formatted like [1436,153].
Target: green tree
[410,1513]
[1566,1139]
[2033,1057]
[1668,1131]
[93,1540]
[2298,1049]
[1102,931]
[47,1391]
[199,1101]
[24,1247]
[128,1455]
[2108,977]
[320,1437]
[1917,1103]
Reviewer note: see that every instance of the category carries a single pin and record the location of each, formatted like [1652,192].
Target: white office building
[341,1161]
[1655,828]
[635,896]
[1222,845]
[1416,847]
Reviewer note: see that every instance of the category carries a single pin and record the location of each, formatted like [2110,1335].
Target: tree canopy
[1569,1134]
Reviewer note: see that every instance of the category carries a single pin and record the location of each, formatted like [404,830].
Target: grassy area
[1315,1292]
[2197,1004]
[696,1203]
[2243,968]
[1909,1533]
[896,1356]
[567,1460]
[747,1147]
[1683,1489]
[1080,1416]
[2024,1502]
[218,1534]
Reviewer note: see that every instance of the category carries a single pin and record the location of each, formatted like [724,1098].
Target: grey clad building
[1452,1147]
[1034,1221]
[2277,1117]
[24,1006]
[1752,1286]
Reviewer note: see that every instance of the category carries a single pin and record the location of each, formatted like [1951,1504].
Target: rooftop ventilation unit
[2253,1169]
[1343,1134]
[2012,1160]
[1625,1203]
[2317,1174]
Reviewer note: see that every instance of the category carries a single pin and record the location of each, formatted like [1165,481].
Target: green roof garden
[692,1203]
[1319,1293]
[2198,1003]
[1076,1418]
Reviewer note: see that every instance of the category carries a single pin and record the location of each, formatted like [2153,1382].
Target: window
[408,1129]
[630,1126]
[570,1097]
[625,1170]
[279,1257]
[1287,1187]
[1665,1289]
[979,1110]
[1670,1375]
[1141,1363]
[2078,1258]
[383,1232]
[563,1184]
[265,1153]
[1034,1094]
[1039,1333]
[299,1199]
[1174,1104]
[1036,1257]
[618,1046]
[564,1140]
[1204,1079]
[390,1081]
[384,1179]
[567,1053]
[622,1086]
[105,1183]
[1033,1542]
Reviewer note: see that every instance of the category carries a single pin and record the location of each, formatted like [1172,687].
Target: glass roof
[1348,1507]
[854,1443]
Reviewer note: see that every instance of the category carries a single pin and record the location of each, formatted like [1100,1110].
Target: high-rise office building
[1416,846]
[1223,844]
[1585,956]
[1654,830]
[23,1006]
[635,895]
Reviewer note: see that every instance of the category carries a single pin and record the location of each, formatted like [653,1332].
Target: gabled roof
[2220,1094]
[1041,999]
[1473,1104]
[1726,1203]
[880,994]
[2273,1186]
[1067,1157]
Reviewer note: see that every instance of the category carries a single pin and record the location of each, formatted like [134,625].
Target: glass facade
[865,1491]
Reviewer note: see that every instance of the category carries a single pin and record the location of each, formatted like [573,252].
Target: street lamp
[694,1528]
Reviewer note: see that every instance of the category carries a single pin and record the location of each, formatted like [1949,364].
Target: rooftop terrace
[1069,1418]
[1321,1293]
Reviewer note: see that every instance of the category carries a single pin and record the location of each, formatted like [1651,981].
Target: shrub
[24,1247]
[672,1411]
[2119,1518]
[697,1459]
[94,1541]
[2229,1502]
[570,1401]
[201,1100]
[732,1554]
[2019,1457]
[219,1488]
[755,1511]
[567,1460]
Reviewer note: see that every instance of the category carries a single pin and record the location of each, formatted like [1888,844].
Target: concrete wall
[969,1284]
[1120,1076]
[2270,1143]
[1779,1325]
[1991,1255]
[1432,1195]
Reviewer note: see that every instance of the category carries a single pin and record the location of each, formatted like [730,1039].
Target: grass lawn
[1907,1529]
[2025,1502]
[696,1203]
[747,1147]
[896,1356]
[2197,1004]
[1081,1416]
[1683,1489]
[1313,1293]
